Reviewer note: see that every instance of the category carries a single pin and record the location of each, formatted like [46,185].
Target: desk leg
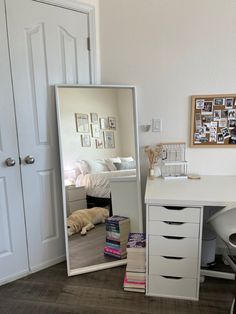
[217,274]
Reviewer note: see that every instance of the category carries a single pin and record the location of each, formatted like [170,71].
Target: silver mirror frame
[106,265]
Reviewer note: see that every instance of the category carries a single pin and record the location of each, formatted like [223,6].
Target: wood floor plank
[51,291]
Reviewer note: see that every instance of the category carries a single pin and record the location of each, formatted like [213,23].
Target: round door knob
[29,160]
[10,162]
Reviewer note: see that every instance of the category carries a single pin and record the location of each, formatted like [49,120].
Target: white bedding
[98,184]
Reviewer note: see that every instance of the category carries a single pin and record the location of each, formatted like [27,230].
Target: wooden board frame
[205,107]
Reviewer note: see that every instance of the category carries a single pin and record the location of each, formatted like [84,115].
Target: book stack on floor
[117,232]
[135,276]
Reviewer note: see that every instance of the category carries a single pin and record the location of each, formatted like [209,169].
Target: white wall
[171,50]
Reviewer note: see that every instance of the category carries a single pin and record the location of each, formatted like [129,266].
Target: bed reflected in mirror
[98,152]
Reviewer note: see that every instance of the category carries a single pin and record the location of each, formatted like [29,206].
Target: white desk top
[207,191]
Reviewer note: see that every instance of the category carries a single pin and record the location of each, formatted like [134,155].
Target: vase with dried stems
[154,155]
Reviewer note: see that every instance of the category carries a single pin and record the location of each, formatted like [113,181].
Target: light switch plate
[156,125]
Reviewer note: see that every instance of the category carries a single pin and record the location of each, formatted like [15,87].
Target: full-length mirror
[100,172]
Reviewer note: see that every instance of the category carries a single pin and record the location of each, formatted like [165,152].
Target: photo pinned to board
[207,126]
[217,115]
[200,104]
[197,138]
[231,114]
[219,101]
[208,107]
[229,102]
[207,119]
[220,138]
[213,137]
[232,123]
[225,133]
[223,123]
[224,113]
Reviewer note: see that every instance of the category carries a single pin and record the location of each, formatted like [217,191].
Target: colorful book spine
[116,256]
[136,283]
[114,246]
[111,250]
[113,235]
[116,219]
[112,228]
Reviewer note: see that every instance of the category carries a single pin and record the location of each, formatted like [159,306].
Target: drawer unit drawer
[173,213]
[72,206]
[173,287]
[176,247]
[184,267]
[167,228]
[75,193]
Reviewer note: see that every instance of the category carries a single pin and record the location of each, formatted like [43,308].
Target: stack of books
[135,276]
[117,232]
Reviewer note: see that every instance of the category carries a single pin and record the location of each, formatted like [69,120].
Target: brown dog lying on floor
[83,220]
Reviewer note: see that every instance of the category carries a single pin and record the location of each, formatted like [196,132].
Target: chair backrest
[224,224]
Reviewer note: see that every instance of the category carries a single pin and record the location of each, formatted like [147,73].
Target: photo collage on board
[214,121]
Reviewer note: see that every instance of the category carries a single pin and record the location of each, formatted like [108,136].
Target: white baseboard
[34,269]
[14,277]
[49,263]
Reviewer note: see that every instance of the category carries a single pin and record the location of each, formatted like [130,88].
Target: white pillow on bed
[128,159]
[92,166]
[110,163]
[83,167]
[97,166]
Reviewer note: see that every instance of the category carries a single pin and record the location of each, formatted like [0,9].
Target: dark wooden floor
[51,291]
[89,249]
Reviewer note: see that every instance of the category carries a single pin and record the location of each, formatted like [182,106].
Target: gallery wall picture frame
[104,123]
[85,140]
[94,117]
[82,122]
[112,123]
[95,130]
[109,139]
[213,121]
[99,143]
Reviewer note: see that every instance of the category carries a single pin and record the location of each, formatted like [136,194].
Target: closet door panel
[48,45]
[13,250]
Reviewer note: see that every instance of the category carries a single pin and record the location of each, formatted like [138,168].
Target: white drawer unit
[173,251]
[176,287]
[173,266]
[173,246]
[174,213]
[170,228]
[75,198]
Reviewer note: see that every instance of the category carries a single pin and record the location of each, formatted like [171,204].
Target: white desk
[178,275]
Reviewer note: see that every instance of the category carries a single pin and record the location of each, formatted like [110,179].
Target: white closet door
[13,251]
[48,45]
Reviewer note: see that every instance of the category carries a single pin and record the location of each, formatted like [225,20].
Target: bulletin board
[213,121]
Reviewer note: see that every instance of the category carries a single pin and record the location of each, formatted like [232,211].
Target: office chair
[224,224]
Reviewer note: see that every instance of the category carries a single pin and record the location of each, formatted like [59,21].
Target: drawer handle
[174,223]
[174,208]
[171,277]
[173,238]
[172,257]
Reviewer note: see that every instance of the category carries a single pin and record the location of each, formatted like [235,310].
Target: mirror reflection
[97,131]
